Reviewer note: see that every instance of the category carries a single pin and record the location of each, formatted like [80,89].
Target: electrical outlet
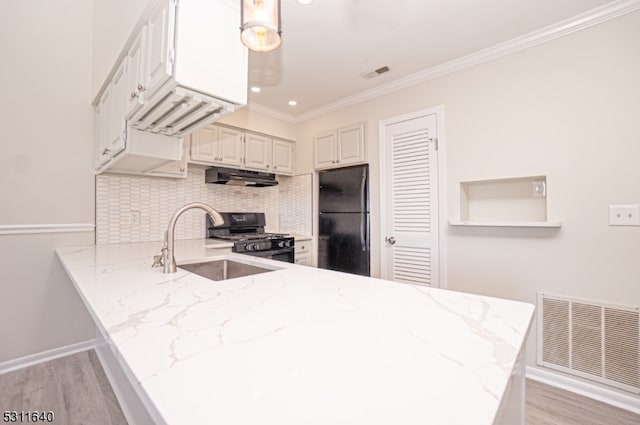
[624,215]
[539,189]
[134,217]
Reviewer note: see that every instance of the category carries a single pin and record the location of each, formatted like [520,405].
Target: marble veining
[298,345]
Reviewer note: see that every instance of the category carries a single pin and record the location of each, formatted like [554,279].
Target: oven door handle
[268,253]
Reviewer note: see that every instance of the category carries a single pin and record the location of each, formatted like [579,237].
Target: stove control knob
[250,247]
[281,244]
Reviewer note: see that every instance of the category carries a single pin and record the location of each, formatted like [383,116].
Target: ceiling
[327,44]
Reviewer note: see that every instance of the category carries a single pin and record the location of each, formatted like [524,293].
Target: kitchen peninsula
[297,345]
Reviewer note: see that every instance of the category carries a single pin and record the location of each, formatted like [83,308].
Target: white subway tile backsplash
[138,209]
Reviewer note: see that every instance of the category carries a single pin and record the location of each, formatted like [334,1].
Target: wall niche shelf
[507,202]
[506,223]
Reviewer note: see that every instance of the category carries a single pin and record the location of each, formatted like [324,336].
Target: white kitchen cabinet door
[350,145]
[325,150]
[102,128]
[283,156]
[257,149]
[175,169]
[345,146]
[230,146]
[204,146]
[136,73]
[215,145]
[302,251]
[119,100]
[160,45]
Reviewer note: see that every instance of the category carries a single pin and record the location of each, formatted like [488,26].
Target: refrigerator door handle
[363,223]
[362,209]
[363,185]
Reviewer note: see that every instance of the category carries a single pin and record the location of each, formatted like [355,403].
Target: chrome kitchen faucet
[168,259]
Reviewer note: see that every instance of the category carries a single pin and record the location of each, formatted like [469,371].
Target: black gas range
[246,231]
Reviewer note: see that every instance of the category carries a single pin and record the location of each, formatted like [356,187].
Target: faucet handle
[157,261]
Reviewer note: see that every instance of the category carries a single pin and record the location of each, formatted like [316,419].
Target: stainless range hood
[233,176]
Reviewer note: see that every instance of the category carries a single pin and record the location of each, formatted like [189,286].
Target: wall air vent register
[591,340]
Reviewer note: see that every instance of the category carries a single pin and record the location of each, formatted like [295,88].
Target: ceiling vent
[371,74]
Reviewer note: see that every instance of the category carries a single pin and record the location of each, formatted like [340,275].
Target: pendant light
[260,30]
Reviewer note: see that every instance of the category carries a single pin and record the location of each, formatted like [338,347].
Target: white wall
[113,21]
[567,109]
[244,118]
[45,168]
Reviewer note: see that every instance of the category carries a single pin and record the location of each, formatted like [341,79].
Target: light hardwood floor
[547,405]
[77,390]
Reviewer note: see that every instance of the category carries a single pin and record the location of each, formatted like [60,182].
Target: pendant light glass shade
[260,30]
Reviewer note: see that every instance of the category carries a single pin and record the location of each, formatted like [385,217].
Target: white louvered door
[410,200]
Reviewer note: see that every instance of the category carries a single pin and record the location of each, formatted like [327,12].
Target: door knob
[390,240]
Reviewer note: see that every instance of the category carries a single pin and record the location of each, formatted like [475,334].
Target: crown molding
[270,112]
[579,22]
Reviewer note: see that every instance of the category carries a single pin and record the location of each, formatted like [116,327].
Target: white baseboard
[594,391]
[33,359]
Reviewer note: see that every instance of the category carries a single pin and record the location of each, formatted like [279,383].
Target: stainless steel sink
[223,269]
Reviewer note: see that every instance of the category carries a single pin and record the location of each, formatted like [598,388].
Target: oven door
[285,254]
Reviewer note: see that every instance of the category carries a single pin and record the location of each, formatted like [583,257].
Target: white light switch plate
[624,215]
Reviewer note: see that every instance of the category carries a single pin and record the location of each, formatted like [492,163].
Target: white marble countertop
[211,243]
[299,345]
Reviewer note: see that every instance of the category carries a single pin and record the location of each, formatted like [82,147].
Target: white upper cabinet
[204,145]
[175,169]
[214,145]
[111,126]
[325,150]
[183,86]
[341,147]
[136,80]
[159,48]
[103,107]
[257,152]
[264,153]
[283,156]
[232,147]
[209,54]
[350,146]
[119,100]
[182,68]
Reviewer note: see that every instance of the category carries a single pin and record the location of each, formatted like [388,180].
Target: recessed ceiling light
[255,89]
[304,1]
[292,103]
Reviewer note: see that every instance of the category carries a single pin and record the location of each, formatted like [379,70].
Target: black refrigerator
[343,205]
